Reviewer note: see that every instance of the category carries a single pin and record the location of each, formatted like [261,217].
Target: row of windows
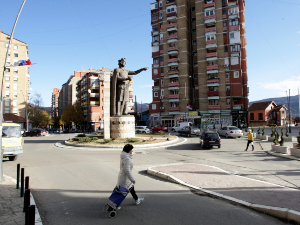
[15,110]
[15,70]
[7,102]
[16,47]
[7,78]
[7,93]
[15,86]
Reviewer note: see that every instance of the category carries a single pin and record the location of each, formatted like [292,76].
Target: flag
[189,106]
[23,63]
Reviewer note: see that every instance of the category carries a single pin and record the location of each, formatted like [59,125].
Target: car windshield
[233,128]
[11,131]
[213,136]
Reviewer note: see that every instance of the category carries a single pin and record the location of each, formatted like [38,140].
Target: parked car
[72,131]
[78,131]
[179,126]
[142,129]
[160,128]
[35,132]
[209,139]
[66,131]
[231,131]
[188,130]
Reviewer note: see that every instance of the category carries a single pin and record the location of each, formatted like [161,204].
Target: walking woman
[125,178]
[250,140]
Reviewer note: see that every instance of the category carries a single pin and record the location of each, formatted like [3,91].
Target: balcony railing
[174,96]
[209,5]
[173,108]
[173,84]
[172,72]
[224,16]
[155,87]
[212,54]
[213,93]
[172,60]
[212,67]
[228,93]
[210,17]
[174,48]
[227,80]
[214,106]
[211,42]
[234,28]
[173,36]
[216,80]
[172,14]
[171,2]
[228,106]
[210,29]
[172,25]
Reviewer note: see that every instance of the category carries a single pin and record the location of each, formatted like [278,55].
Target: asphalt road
[71,186]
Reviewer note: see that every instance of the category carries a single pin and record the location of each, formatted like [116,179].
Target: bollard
[22,183]
[18,176]
[26,200]
[31,215]
[26,182]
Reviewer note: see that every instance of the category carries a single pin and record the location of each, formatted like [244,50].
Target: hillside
[294,103]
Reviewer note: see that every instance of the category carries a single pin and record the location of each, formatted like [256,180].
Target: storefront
[216,120]
[240,118]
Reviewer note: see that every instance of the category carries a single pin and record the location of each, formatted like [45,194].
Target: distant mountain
[294,103]
[141,107]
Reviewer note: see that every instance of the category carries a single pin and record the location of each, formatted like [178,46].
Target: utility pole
[290,129]
[1,99]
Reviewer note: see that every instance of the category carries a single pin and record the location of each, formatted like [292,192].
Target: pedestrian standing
[125,178]
[250,140]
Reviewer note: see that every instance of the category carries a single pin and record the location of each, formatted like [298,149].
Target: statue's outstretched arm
[137,71]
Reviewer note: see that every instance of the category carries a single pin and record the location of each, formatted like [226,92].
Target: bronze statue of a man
[120,83]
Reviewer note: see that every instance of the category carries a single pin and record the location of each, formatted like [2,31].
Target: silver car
[231,131]
[142,129]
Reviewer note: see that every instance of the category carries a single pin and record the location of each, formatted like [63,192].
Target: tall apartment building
[54,103]
[199,61]
[67,94]
[16,79]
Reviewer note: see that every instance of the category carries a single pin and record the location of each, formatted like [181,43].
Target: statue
[120,83]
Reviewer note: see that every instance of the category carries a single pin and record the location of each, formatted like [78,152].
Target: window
[15,78]
[162,70]
[234,10]
[156,60]
[161,58]
[194,42]
[162,92]
[15,94]
[7,85]
[260,116]
[15,87]
[162,80]
[7,77]
[154,16]
[160,4]
[160,15]
[15,110]
[155,94]
[234,61]
[228,101]
[251,116]
[7,102]
[236,74]
[155,39]
[231,35]
[233,22]
[8,61]
[6,110]
[153,106]
[194,53]
[155,71]
[16,47]
[193,9]
[15,103]
[194,31]
[226,75]
[15,70]
[210,37]
[171,9]
[6,93]
[154,28]
[16,54]
[235,48]
[8,52]
[194,19]
[195,64]
[6,46]
[210,12]
[227,88]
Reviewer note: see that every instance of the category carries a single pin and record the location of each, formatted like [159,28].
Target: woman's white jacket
[125,178]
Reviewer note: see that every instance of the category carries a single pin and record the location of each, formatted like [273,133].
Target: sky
[64,36]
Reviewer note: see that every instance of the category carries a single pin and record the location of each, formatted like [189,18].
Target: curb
[282,213]
[120,146]
[38,220]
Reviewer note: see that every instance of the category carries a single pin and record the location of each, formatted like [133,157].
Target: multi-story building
[16,79]
[54,103]
[199,62]
[67,94]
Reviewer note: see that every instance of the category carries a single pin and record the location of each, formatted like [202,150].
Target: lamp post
[290,129]
[1,98]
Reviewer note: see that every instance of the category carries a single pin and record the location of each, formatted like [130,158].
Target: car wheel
[219,146]
[12,158]
[143,132]
[188,134]
[239,136]
[226,135]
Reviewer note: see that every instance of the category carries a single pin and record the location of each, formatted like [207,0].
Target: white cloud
[283,86]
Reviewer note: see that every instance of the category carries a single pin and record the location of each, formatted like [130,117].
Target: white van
[179,126]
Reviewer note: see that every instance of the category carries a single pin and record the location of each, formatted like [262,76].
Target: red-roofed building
[12,118]
[267,113]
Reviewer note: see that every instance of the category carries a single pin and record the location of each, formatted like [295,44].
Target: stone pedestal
[122,126]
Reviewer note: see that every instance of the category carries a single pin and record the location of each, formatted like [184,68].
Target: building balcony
[174,96]
[172,60]
[214,80]
[170,72]
[237,106]
[174,28]
[94,87]
[161,51]
[214,106]
[154,33]
[212,54]
[226,54]
[210,21]
[155,65]
[228,106]
[154,43]
[173,36]
[210,17]
[234,28]
[212,67]
[171,14]
[94,95]
[170,2]
[209,5]
[210,29]
[161,63]
[224,16]
[155,88]
[227,80]
[230,4]
[213,93]
[228,93]
[174,48]
[172,18]
[154,21]
[170,25]
[210,42]
[173,84]
[174,108]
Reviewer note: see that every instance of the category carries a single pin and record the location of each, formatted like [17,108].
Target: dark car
[189,131]
[36,132]
[209,139]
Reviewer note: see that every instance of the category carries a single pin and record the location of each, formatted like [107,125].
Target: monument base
[122,127]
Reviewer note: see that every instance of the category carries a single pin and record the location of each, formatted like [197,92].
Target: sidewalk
[269,198]
[11,204]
